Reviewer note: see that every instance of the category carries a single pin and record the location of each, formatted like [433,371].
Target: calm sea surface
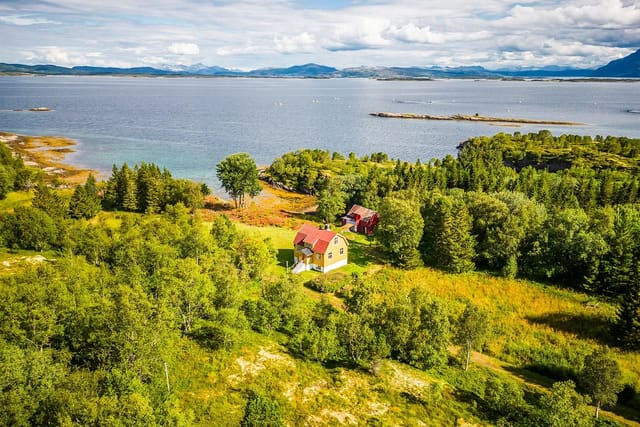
[190,124]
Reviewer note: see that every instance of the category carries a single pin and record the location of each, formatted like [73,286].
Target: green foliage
[14,176]
[447,242]
[301,171]
[621,264]
[564,407]
[253,255]
[471,330]
[328,283]
[331,202]
[85,202]
[566,250]
[261,411]
[223,231]
[400,230]
[359,339]
[601,378]
[29,380]
[29,228]
[146,188]
[238,175]
[49,201]
[6,181]
[505,398]
[418,330]
[84,339]
[316,337]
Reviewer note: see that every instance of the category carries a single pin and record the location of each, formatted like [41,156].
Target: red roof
[317,238]
[361,211]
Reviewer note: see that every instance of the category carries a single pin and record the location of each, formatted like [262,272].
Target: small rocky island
[474,118]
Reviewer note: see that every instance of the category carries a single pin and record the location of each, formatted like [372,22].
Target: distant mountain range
[627,67]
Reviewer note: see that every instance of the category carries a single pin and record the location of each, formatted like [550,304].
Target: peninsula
[474,118]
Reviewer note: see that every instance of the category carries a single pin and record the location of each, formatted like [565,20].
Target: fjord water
[190,124]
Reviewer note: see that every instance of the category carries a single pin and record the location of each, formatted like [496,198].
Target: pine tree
[112,190]
[627,327]
[85,202]
[47,200]
[128,192]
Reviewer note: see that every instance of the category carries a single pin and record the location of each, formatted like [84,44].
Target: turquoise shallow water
[190,124]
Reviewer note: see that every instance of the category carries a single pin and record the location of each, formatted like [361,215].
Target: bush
[261,412]
[328,283]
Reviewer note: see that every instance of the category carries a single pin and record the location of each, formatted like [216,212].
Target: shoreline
[475,118]
[48,153]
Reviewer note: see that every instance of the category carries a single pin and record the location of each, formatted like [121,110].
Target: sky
[250,34]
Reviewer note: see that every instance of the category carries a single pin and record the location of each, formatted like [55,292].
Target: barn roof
[361,211]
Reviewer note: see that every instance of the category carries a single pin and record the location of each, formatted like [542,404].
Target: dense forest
[138,290]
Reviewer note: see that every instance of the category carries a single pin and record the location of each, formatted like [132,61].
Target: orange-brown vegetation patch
[48,154]
[272,206]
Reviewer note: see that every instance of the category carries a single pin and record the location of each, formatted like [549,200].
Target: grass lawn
[364,253]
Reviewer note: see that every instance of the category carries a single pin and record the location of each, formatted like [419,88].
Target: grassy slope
[533,324]
[309,393]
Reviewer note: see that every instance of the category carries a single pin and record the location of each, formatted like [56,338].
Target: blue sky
[250,34]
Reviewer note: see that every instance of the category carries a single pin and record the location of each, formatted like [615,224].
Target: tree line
[555,209]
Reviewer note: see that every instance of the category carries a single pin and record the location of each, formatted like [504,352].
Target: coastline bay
[190,124]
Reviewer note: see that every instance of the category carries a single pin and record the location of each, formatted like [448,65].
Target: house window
[341,251]
[318,256]
[330,255]
[335,241]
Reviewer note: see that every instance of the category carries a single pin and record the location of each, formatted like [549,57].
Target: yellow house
[318,249]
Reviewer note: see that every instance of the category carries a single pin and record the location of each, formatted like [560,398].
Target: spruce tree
[447,242]
[112,190]
[627,327]
[128,192]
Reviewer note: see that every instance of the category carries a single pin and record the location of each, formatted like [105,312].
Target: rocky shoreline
[474,118]
[47,153]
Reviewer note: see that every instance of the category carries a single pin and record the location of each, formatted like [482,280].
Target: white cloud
[300,43]
[364,33]
[253,34]
[241,50]
[412,33]
[184,49]
[50,55]
[23,20]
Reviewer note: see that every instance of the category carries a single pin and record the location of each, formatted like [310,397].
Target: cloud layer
[254,33]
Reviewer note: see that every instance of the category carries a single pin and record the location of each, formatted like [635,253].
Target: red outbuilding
[363,220]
